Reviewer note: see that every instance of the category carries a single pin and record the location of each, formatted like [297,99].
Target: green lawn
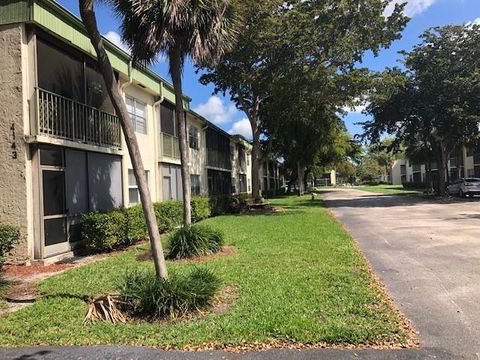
[391,189]
[298,274]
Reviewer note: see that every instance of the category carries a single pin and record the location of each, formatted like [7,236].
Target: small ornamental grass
[195,240]
[144,294]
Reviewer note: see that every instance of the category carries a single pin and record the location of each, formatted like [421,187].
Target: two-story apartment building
[62,152]
[464,162]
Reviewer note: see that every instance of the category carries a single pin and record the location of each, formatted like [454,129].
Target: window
[133,193]
[138,113]
[167,119]
[193,137]
[243,183]
[195,184]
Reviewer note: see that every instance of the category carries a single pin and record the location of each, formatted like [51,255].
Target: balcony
[169,146]
[63,118]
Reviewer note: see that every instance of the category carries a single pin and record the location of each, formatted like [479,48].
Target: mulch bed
[19,271]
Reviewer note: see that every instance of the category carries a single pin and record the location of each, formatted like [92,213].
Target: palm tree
[200,29]
[90,22]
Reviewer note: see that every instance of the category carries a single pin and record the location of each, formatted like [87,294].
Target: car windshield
[472,180]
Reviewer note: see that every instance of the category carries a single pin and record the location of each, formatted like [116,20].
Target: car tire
[461,193]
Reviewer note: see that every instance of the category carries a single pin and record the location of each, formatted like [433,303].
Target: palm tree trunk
[176,72]
[90,22]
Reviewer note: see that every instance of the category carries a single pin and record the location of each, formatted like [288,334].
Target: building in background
[463,162]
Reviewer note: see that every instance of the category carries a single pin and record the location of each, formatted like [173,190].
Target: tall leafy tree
[279,36]
[201,30]
[434,103]
[89,20]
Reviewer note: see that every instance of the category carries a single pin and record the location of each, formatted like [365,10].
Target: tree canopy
[433,105]
[306,50]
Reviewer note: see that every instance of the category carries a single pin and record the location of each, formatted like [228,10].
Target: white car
[464,187]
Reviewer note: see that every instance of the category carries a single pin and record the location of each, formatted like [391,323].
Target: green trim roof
[57,20]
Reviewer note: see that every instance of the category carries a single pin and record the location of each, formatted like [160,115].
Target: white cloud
[242,127]
[355,109]
[216,111]
[115,38]
[413,7]
[474,22]
[358,108]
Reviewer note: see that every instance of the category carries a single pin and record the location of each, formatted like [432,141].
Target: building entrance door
[54,212]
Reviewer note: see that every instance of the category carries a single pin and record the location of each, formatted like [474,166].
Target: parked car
[464,187]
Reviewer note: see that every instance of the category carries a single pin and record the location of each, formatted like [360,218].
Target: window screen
[167,119]
[193,137]
[195,184]
[59,72]
[97,94]
[53,192]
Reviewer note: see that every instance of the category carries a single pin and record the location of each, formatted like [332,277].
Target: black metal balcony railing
[64,118]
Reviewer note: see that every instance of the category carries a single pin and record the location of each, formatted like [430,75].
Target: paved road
[428,254]
[130,352]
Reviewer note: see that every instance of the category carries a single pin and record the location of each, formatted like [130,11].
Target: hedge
[9,236]
[414,185]
[106,231]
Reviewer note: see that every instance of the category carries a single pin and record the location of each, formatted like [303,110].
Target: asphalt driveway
[427,252]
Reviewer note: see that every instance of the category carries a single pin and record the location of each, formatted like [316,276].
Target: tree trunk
[301,174]
[442,169]
[176,72]
[90,22]
[428,176]
[256,165]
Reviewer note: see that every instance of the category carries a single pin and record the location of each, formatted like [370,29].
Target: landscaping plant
[143,294]
[195,240]
[9,236]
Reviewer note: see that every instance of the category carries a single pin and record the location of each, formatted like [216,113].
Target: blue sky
[218,109]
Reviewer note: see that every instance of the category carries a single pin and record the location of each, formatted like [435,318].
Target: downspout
[124,168]
[130,77]
[158,141]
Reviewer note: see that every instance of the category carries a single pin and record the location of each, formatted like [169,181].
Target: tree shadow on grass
[84,298]
[36,355]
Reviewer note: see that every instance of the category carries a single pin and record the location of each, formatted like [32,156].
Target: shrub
[200,208]
[169,215]
[195,240]
[104,231]
[9,236]
[223,204]
[144,294]
[414,185]
[135,225]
